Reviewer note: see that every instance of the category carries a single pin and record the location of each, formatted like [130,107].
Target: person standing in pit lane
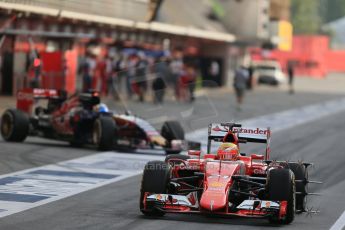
[192,75]
[130,74]
[141,75]
[291,75]
[240,84]
[87,68]
[161,70]
[176,66]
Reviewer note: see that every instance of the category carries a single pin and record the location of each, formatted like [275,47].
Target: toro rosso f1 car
[226,182]
[81,119]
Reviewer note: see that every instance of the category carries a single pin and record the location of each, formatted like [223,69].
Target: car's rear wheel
[156,178]
[301,174]
[14,125]
[172,130]
[104,133]
[281,187]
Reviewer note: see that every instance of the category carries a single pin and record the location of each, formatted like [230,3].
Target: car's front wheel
[156,178]
[281,187]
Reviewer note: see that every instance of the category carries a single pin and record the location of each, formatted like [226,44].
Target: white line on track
[34,187]
[340,223]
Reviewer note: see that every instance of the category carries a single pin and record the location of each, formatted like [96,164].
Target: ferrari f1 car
[227,182]
[82,119]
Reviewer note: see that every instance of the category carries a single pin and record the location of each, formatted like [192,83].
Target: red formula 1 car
[81,119]
[227,183]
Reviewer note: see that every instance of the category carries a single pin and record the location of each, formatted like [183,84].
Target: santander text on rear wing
[220,131]
[253,134]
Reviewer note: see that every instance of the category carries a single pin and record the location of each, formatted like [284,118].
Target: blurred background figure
[100,79]
[250,83]
[130,74]
[183,85]
[240,84]
[87,69]
[111,78]
[119,69]
[141,75]
[162,72]
[176,66]
[290,70]
[187,83]
[191,80]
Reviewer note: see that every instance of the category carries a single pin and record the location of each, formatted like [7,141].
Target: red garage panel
[52,70]
[311,56]
[335,60]
[59,70]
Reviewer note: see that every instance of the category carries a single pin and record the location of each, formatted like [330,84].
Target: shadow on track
[205,219]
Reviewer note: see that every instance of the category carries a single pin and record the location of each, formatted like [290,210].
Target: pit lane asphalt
[116,206]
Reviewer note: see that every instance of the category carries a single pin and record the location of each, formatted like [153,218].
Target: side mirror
[257,157]
[194,153]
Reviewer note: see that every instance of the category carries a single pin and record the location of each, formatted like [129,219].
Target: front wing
[189,204]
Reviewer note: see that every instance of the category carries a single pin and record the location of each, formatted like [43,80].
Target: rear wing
[26,97]
[217,132]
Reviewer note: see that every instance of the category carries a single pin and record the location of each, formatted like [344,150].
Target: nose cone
[218,180]
[213,201]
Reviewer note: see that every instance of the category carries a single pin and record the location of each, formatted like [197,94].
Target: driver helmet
[102,108]
[228,151]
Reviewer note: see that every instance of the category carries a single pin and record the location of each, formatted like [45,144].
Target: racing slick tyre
[14,125]
[104,133]
[281,187]
[301,188]
[172,130]
[156,177]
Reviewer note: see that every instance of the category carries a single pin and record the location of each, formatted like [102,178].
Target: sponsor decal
[259,171]
[252,131]
[50,92]
[216,184]
[218,129]
[22,96]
